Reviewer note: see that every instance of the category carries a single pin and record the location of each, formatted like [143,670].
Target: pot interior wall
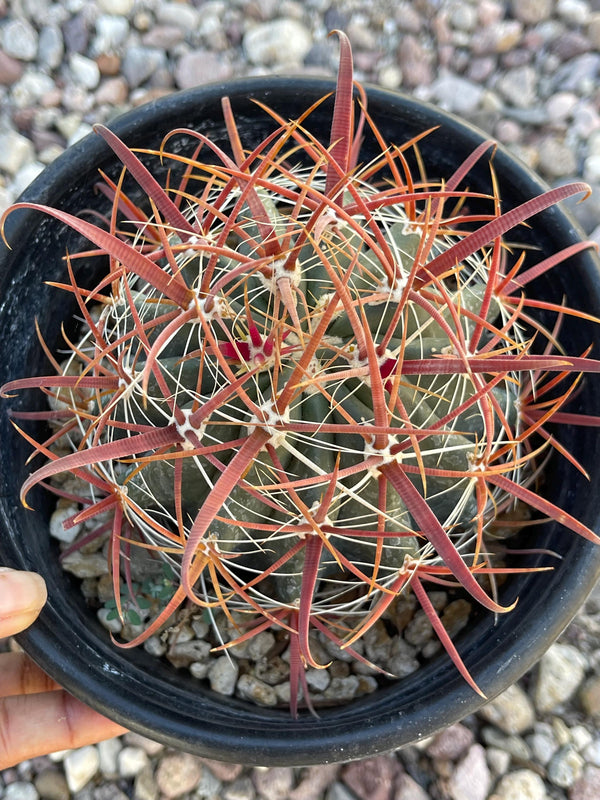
[174,708]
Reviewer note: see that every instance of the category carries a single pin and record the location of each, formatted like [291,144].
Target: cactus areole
[311,373]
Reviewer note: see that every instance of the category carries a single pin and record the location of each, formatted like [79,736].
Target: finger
[37,724]
[22,595]
[20,675]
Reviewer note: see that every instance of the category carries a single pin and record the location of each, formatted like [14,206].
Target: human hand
[36,715]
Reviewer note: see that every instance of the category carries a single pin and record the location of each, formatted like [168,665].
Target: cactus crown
[306,387]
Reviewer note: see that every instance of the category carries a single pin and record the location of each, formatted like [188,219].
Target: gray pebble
[209,787]
[518,86]
[337,791]
[19,39]
[241,789]
[543,746]
[140,63]
[591,752]
[223,674]
[456,94]
[111,33]
[565,767]
[514,744]
[20,790]
[50,47]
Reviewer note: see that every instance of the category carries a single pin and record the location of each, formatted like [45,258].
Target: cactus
[308,389]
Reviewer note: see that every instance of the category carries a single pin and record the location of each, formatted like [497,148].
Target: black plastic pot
[152,697]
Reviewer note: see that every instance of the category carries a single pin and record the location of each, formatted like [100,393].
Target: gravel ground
[527,73]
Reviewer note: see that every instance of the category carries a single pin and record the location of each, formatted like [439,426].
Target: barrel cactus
[309,385]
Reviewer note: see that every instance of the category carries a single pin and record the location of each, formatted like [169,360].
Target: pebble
[51,784]
[522,784]
[51,47]
[337,791]
[588,786]
[139,63]
[111,34]
[201,66]
[591,752]
[15,151]
[498,760]
[84,71]
[273,784]
[561,671]
[543,745]
[565,767]
[512,711]
[371,778]
[177,774]
[241,789]
[144,785]
[80,767]
[85,565]
[518,86]
[314,781]
[450,743]
[108,752]
[262,43]
[117,7]
[223,674]
[457,94]
[19,39]
[208,787]
[574,12]
[471,780]
[591,169]
[589,696]
[132,760]
[183,15]
[251,688]
[530,12]
[20,790]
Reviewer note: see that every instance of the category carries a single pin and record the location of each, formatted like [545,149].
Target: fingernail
[20,591]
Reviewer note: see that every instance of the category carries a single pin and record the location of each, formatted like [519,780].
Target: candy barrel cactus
[309,385]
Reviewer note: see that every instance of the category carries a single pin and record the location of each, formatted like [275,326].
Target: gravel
[527,72]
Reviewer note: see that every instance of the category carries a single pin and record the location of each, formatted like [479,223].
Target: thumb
[22,595]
